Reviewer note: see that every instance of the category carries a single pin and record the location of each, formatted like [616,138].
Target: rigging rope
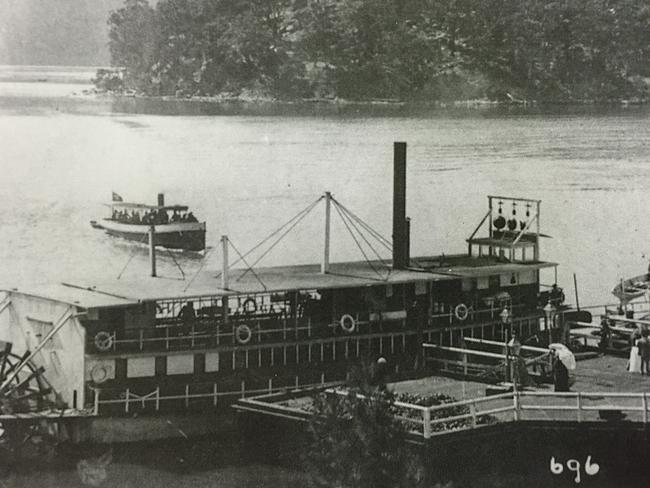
[382,240]
[364,238]
[304,210]
[299,215]
[385,242]
[205,261]
[132,256]
[250,268]
[357,242]
[304,214]
[176,263]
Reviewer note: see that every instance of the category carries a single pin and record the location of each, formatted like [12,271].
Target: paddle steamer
[153,357]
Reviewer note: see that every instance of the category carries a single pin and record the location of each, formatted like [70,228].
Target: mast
[325,265]
[224,262]
[152,250]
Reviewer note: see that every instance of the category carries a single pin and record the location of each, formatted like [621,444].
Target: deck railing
[521,407]
[128,400]
[203,332]
[433,420]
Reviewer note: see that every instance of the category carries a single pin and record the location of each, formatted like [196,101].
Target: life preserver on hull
[249,305]
[461,311]
[99,373]
[103,341]
[243,334]
[347,323]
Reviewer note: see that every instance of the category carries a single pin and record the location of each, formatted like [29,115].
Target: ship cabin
[143,214]
[157,345]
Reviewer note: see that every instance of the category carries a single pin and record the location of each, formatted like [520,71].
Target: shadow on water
[205,461]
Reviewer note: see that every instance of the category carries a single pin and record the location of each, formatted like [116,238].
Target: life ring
[99,373]
[243,334]
[103,341]
[461,311]
[347,323]
[249,306]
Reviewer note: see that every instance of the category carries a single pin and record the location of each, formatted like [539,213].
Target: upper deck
[129,292]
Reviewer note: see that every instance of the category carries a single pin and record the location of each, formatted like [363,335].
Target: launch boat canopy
[172,226]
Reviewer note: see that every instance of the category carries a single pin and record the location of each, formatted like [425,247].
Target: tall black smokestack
[400,232]
[161,199]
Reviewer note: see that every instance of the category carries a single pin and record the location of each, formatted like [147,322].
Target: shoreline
[478,102]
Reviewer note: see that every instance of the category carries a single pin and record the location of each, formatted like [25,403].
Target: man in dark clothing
[187,314]
[560,374]
[605,335]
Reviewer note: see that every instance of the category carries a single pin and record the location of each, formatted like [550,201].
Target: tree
[356,442]
[132,42]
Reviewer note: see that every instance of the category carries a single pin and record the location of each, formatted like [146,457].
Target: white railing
[522,406]
[430,421]
[129,399]
[531,406]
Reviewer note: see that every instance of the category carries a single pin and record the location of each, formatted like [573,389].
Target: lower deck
[213,378]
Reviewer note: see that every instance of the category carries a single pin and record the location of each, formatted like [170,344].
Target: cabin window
[181,364]
[389,291]
[421,287]
[482,282]
[140,367]
[509,279]
[375,299]
[120,368]
[468,284]
[436,307]
[528,277]
[211,361]
[494,282]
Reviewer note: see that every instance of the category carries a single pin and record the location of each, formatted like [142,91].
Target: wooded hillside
[388,49]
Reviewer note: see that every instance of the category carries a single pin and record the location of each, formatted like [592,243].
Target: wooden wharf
[603,394]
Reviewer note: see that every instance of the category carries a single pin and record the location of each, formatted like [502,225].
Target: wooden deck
[130,291]
[601,374]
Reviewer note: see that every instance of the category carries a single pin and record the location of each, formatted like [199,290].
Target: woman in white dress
[634,364]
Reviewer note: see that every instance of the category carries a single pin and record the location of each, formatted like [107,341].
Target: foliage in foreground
[357,442]
[359,439]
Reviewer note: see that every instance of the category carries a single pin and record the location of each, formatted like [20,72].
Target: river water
[62,156]
[246,175]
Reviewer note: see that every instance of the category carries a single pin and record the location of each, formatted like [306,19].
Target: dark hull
[189,241]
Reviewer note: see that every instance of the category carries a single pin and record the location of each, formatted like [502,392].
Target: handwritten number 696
[574,465]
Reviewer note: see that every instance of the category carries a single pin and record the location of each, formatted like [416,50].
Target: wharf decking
[604,373]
